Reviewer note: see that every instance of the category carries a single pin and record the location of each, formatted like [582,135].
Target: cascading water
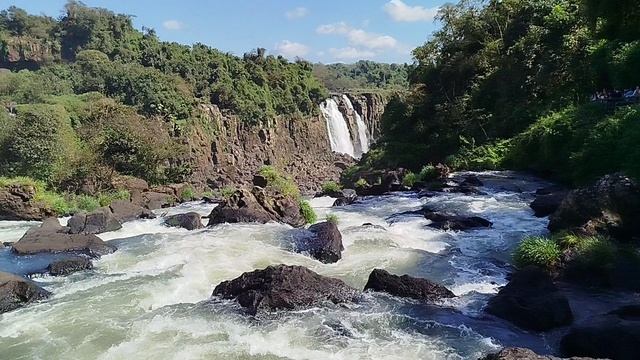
[362,127]
[339,135]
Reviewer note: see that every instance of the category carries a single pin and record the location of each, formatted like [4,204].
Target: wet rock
[547,204]
[96,222]
[125,211]
[379,182]
[615,335]
[51,237]
[16,292]
[189,221]
[69,266]
[373,226]
[284,287]
[345,197]
[17,202]
[522,354]
[453,222]
[531,301]
[406,286]
[471,181]
[157,200]
[324,244]
[257,206]
[611,207]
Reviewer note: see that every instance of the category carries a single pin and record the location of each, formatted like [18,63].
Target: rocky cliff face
[25,52]
[224,150]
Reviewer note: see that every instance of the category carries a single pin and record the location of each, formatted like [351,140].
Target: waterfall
[339,135]
[362,127]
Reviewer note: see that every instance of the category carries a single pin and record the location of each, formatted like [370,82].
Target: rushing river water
[151,298]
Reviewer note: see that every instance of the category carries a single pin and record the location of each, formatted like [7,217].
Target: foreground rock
[17,202]
[531,301]
[611,207]
[257,206]
[284,287]
[615,335]
[96,222]
[345,197]
[406,286]
[324,242]
[69,266]
[16,292]
[51,237]
[189,221]
[522,354]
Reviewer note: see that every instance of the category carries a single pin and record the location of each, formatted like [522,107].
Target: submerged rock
[615,335]
[17,202]
[531,301]
[446,221]
[324,244]
[69,266]
[284,287]
[522,354]
[16,292]
[611,207]
[189,221]
[51,237]
[257,206]
[96,222]
[406,286]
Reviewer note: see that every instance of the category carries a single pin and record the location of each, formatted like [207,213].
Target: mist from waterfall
[362,127]
[339,135]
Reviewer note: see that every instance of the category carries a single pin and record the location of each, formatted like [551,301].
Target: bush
[188,194]
[285,186]
[86,203]
[331,187]
[428,173]
[592,252]
[332,218]
[409,179]
[361,183]
[307,212]
[537,251]
[107,198]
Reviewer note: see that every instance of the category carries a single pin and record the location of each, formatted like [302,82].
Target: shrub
[106,199]
[307,212]
[331,187]
[361,183]
[85,203]
[428,172]
[538,251]
[188,194]
[332,218]
[409,179]
[284,185]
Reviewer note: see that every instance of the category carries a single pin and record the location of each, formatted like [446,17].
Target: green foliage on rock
[537,251]
[332,218]
[279,182]
[307,212]
[331,187]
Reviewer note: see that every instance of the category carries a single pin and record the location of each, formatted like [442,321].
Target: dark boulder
[124,211]
[531,301]
[611,207]
[17,202]
[51,237]
[260,181]
[324,242]
[406,286]
[69,266]
[470,181]
[453,222]
[522,354]
[284,287]
[379,182]
[16,292]
[345,197]
[189,221]
[257,206]
[96,222]
[546,204]
[615,335]
[156,200]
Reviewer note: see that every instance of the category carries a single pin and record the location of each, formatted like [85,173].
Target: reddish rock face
[17,203]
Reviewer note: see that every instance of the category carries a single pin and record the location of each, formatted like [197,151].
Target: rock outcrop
[324,242]
[406,286]
[16,292]
[284,287]
[345,197]
[69,266]
[548,200]
[53,238]
[258,206]
[524,354]
[611,207]
[615,336]
[17,202]
[531,301]
[189,221]
[96,222]
[124,211]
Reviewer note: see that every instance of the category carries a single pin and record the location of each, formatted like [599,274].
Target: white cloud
[399,11]
[359,37]
[173,25]
[351,53]
[291,49]
[297,13]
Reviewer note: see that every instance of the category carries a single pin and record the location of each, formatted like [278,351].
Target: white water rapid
[339,135]
[362,128]
[151,299]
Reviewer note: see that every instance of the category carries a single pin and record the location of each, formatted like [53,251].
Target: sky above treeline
[325,31]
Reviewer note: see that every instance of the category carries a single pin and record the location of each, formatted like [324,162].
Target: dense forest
[507,84]
[363,74]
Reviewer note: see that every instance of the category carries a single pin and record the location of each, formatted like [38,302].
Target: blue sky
[327,31]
